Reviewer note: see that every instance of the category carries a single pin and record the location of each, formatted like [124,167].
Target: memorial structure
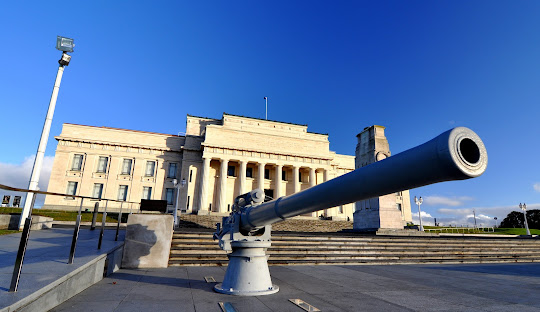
[391,211]
[215,161]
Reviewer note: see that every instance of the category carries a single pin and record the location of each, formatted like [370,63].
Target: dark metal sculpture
[456,154]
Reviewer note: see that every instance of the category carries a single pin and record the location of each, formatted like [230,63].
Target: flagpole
[266,108]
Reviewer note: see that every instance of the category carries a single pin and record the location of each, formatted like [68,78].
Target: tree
[515,219]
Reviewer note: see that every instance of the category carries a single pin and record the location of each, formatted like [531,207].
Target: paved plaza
[482,287]
[45,263]
[494,287]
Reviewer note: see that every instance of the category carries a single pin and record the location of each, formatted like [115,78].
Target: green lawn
[60,215]
[5,232]
[512,231]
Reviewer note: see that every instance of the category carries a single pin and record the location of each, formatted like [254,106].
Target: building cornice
[115,144]
[125,130]
[320,157]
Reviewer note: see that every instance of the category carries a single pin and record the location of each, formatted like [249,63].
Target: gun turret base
[247,273]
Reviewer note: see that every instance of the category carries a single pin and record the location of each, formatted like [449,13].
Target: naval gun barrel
[456,154]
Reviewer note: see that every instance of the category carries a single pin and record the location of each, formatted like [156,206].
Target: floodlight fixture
[64,60]
[64,44]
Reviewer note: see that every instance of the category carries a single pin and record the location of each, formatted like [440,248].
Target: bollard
[103,219]
[75,235]
[118,224]
[94,216]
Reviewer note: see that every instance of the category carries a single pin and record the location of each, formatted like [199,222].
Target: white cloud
[536,186]
[484,215]
[427,219]
[18,175]
[446,201]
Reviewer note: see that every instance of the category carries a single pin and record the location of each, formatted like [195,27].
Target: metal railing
[28,222]
[463,230]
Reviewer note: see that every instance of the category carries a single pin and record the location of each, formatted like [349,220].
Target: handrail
[15,189]
[17,268]
[457,229]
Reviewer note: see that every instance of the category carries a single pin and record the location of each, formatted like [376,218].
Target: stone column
[260,177]
[203,187]
[312,179]
[295,176]
[242,176]
[312,182]
[325,178]
[279,169]
[222,205]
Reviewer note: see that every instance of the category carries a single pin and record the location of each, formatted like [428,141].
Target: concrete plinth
[148,241]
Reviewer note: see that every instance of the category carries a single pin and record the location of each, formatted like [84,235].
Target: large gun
[456,154]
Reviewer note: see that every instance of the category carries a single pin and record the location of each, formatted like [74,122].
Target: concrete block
[11,222]
[114,261]
[148,241]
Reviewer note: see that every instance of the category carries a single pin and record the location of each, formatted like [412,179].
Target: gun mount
[456,154]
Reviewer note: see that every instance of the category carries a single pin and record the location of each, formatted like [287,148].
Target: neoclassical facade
[215,161]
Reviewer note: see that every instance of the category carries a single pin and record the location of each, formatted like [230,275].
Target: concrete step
[340,240]
[381,255]
[199,249]
[363,262]
[320,245]
[307,251]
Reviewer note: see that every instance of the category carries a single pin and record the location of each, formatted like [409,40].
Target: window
[147,192]
[230,171]
[169,196]
[172,171]
[122,192]
[188,199]
[150,167]
[399,207]
[126,166]
[190,175]
[249,172]
[72,188]
[267,173]
[102,164]
[76,165]
[299,176]
[340,209]
[98,190]
[284,175]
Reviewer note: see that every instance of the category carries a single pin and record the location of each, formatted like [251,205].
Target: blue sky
[416,67]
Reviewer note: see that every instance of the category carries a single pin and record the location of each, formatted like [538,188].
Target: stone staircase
[198,249]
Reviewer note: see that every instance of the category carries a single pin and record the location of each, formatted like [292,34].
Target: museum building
[215,161]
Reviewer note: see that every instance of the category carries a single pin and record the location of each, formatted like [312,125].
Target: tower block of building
[391,211]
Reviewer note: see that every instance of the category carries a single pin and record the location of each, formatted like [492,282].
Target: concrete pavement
[46,278]
[493,287]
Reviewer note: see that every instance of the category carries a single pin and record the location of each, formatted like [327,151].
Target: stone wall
[290,225]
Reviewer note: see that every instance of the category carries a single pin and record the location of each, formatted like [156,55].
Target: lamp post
[65,45]
[524,208]
[419,201]
[178,186]
[495,218]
